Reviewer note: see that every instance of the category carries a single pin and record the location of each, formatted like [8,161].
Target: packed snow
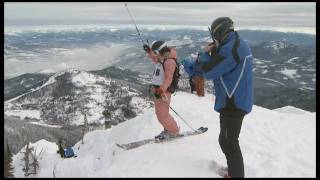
[274,143]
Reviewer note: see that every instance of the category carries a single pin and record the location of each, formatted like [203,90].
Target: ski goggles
[157,51]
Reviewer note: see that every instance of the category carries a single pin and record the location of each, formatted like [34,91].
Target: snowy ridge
[51,80]
[14,30]
[274,144]
[91,88]
[292,110]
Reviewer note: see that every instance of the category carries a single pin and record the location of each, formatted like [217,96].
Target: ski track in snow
[274,143]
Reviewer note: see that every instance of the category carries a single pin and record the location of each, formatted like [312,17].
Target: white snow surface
[273,144]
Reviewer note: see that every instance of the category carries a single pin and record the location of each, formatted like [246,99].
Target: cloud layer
[244,14]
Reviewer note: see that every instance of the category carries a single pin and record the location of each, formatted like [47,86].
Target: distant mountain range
[284,63]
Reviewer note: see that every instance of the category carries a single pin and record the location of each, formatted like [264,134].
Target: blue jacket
[231,71]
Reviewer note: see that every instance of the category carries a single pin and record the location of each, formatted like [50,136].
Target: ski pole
[177,113]
[211,34]
[166,101]
[135,25]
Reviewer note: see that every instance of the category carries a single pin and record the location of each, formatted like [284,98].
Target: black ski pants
[230,126]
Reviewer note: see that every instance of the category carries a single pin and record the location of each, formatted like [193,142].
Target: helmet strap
[216,42]
[224,37]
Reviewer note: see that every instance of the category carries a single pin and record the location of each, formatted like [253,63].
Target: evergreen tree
[85,126]
[26,159]
[107,118]
[35,162]
[8,169]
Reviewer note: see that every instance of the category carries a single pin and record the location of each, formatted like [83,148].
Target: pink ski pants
[162,112]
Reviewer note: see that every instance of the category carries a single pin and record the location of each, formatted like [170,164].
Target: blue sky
[285,15]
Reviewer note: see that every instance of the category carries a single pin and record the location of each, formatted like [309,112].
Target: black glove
[146,48]
[158,96]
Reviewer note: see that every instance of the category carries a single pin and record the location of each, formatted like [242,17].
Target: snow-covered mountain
[284,74]
[66,95]
[284,62]
[278,50]
[274,143]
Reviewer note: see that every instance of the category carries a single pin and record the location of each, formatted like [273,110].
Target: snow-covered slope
[275,143]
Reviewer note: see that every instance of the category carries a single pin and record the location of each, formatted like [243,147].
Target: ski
[136,144]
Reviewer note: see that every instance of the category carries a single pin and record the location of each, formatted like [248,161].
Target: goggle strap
[162,46]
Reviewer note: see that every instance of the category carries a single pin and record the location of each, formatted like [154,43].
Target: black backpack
[176,75]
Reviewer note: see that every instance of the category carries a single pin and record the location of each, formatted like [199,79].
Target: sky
[285,15]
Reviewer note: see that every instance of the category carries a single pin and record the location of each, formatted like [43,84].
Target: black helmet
[158,47]
[220,27]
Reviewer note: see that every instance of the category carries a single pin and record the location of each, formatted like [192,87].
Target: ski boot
[164,135]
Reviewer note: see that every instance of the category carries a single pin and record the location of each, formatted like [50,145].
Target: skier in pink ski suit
[162,56]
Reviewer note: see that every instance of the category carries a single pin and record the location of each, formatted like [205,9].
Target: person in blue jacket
[228,62]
